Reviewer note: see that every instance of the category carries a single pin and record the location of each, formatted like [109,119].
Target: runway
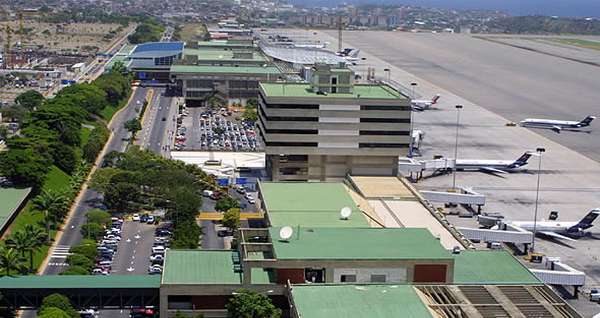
[512,82]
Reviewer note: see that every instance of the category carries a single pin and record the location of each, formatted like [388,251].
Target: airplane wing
[492,170]
[556,235]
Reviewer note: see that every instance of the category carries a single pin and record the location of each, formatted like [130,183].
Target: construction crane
[340,26]
[7,54]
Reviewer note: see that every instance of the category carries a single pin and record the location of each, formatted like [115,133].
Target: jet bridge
[513,235]
[414,168]
[558,273]
[463,196]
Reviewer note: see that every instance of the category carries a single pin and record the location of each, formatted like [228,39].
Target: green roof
[358,243]
[10,199]
[286,204]
[223,44]
[358,301]
[490,267]
[362,91]
[199,267]
[209,69]
[80,281]
[222,55]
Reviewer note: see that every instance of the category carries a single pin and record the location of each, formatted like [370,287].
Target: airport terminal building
[329,127]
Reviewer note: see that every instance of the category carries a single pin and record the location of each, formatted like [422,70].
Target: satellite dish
[285,233]
[345,213]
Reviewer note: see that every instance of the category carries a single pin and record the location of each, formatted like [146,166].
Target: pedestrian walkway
[59,256]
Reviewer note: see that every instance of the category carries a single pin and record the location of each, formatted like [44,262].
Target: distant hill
[544,25]
[563,8]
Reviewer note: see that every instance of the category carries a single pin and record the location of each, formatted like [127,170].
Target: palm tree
[37,236]
[53,204]
[22,242]
[10,259]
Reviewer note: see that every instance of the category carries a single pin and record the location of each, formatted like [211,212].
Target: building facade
[329,127]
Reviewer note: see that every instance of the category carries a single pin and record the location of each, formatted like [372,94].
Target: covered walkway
[114,291]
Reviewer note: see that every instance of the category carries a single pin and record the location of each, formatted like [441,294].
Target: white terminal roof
[307,56]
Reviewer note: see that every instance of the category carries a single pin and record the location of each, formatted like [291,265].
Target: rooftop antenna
[345,213]
[285,233]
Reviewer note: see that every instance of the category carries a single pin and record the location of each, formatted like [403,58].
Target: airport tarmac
[512,82]
[570,181]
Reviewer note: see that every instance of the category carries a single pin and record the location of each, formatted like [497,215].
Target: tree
[123,197]
[65,157]
[3,132]
[86,248]
[250,304]
[133,126]
[53,204]
[58,301]
[98,216]
[37,235]
[10,260]
[226,203]
[14,113]
[76,270]
[92,231]
[53,312]
[231,219]
[98,137]
[80,260]
[22,242]
[30,99]
[250,113]
[101,180]
[24,167]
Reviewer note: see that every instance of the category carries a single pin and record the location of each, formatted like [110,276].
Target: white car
[158,249]
[136,217]
[150,219]
[112,237]
[157,257]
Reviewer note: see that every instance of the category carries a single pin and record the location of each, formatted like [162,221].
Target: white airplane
[493,166]
[349,54]
[557,125]
[559,229]
[423,104]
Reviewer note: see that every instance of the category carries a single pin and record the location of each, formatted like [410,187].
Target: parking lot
[215,130]
[134,246]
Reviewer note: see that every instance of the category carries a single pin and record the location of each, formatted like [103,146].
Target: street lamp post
[412,96]
[458,108]
[539,151]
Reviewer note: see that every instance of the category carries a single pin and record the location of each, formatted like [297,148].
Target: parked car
[136,217]
[150,219]
[595,295]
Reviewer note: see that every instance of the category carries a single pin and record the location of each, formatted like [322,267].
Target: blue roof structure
[158,46]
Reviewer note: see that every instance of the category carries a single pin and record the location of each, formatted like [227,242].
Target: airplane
[493,166]
[557,125]
[558,229]
[349,54]
[423,104]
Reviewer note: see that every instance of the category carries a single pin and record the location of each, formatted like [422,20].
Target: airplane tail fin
[587,220]
[587,121]
[435,99]
[521,161]
[354,53]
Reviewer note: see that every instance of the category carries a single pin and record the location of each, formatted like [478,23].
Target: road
[91,199]
[160,124]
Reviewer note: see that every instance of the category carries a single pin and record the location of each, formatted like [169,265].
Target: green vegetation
[586,44]
[246,303]
[545,25]
[81,260]
[30,99]
[231,219]
[148,31]
[250,111]
[51,155]
[57,305]
[90,16]
[226,204]
[141,180]
[133,126]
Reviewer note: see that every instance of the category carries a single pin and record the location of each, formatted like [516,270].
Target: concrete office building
[329,127]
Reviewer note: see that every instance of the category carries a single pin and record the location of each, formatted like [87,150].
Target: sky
[578,8]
